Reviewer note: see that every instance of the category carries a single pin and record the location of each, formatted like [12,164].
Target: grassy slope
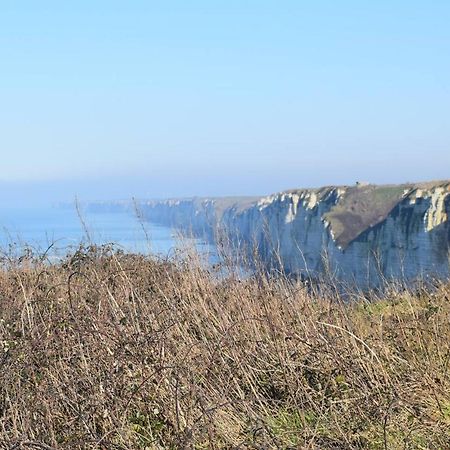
[361,208]
[122,352]
[366,206]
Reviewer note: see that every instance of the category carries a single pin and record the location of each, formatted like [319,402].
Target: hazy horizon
[41,194]
[108,100]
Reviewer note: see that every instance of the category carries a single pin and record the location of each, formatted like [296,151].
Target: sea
[61,230]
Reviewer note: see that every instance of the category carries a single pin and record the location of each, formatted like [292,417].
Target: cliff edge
[361,233]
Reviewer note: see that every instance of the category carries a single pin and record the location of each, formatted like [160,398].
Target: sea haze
[66,229]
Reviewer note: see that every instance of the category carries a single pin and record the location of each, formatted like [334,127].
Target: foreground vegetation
[114,351]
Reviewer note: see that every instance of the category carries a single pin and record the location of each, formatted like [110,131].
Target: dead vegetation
[112,351]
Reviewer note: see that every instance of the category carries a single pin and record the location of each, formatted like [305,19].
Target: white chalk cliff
[359,234]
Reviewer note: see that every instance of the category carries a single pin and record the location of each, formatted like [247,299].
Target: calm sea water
[40,227]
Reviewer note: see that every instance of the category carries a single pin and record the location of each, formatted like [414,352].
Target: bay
[64,229]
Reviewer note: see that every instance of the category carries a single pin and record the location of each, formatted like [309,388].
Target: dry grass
[113,351]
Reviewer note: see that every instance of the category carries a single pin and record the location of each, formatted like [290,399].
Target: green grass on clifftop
[361,208]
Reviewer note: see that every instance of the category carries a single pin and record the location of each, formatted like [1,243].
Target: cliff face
[359,234]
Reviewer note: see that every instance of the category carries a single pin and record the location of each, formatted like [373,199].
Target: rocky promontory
[359,233]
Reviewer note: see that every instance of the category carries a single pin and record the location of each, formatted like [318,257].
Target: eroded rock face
[359,234]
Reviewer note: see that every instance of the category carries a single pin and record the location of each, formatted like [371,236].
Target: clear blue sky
[210,97]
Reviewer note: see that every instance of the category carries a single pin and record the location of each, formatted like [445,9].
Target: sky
[112,99]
